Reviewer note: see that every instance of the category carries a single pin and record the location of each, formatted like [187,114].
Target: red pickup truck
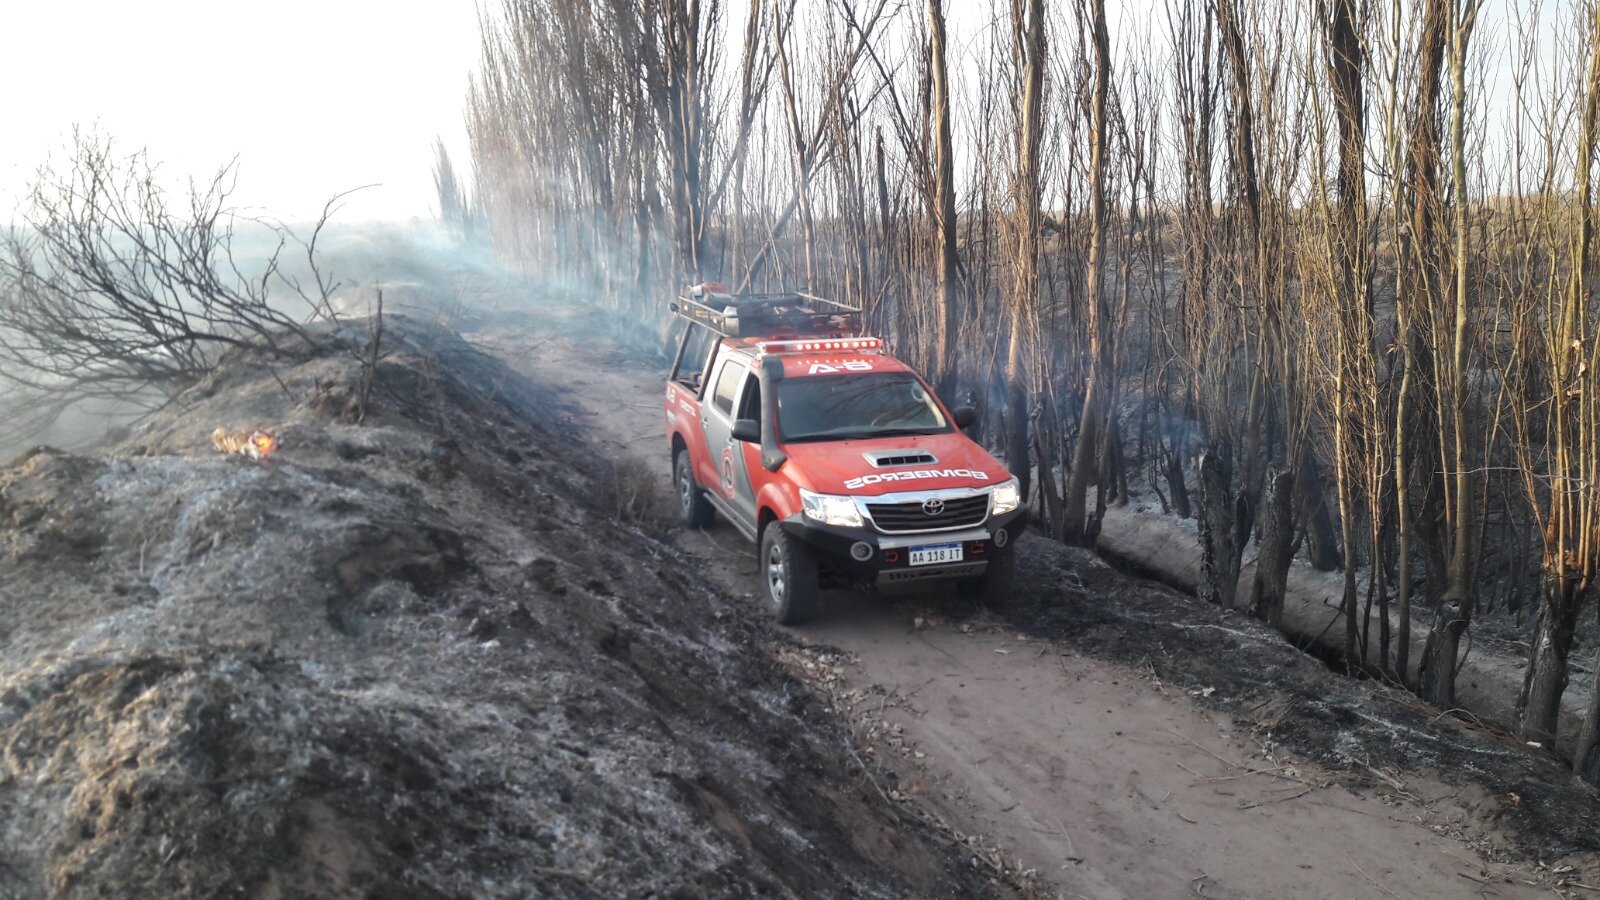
[833,457]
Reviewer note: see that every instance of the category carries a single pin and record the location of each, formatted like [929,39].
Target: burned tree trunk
[1196,78]
[1558,405]
[1236,405]
[1418,484]
[1539,707]
[1354,392]
[1118,466]
[1311,502]
[1027,21]
[946,344]
[682,121]
[1586,755]
[1219,549]
[1436,680]
[1074,527]
[1277,544]
[1463,501]
[1172,470]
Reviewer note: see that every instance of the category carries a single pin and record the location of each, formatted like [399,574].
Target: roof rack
[766,315]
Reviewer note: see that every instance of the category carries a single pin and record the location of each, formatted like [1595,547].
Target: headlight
[831,510]
[1007,497]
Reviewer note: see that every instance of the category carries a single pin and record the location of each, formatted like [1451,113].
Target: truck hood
[843,467]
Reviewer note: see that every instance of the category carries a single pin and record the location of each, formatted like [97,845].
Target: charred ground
[416,655]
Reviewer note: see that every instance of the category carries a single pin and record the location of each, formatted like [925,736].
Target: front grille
[960,570]
[958,512]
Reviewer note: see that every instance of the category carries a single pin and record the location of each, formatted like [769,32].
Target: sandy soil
[1095,776]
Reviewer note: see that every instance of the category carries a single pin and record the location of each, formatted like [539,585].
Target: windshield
[841,407]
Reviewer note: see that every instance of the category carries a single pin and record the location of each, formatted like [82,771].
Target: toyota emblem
[933,506]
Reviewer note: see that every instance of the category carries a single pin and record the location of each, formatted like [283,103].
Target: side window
[728,387]
[694,352]
[750,403]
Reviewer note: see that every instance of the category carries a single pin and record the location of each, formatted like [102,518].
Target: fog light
[861,551]
[1000,537]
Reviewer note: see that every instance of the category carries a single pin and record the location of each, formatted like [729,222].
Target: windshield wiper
[832,436]
[861,435]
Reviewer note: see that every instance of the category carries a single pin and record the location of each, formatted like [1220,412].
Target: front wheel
[693,507]
[790,573]
[992,589]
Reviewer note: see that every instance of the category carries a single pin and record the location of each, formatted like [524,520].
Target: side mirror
[772,456]
[965,416]
[747,430]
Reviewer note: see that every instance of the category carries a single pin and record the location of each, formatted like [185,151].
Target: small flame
[262,445]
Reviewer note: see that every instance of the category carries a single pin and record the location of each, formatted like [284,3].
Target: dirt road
[1094,774]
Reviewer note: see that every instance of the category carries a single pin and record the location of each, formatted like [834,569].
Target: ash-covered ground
[418,654]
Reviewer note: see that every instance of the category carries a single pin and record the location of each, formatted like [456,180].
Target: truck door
[730,483]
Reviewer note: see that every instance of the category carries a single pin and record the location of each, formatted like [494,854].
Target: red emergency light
[862,344]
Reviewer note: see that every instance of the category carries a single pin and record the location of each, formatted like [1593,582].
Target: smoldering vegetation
[118,291]
[410,654]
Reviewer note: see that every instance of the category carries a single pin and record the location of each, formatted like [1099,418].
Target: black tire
[992,589]
[694,509]
[788,576]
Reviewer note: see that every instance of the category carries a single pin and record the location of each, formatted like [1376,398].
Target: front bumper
[890,563]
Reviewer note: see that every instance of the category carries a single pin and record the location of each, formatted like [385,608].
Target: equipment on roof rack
[770,315]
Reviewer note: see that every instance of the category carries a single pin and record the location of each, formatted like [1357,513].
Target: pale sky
[313,96]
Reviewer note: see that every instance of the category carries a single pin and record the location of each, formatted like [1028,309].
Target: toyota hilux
[833,457]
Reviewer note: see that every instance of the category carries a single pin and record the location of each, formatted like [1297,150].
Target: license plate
[933,554]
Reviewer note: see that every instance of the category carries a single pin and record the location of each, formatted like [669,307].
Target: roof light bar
[864,343]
